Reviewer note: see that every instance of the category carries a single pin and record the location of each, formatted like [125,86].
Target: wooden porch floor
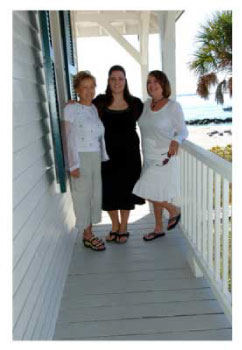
[138,291]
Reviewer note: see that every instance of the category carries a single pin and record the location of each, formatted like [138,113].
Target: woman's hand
[75,173]
[173,149]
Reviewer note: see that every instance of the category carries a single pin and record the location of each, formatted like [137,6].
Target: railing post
[186,188]
[204,213]
[217,225]
[190,196]
[210,220]
[205,218]
[194,188]
[198,214]
[225,234]
[182,169]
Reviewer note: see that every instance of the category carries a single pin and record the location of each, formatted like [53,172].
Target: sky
[110,52]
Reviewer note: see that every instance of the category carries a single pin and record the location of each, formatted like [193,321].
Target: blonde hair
[80,76]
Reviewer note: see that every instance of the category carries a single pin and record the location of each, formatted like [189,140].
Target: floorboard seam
[153,333]
[139,318]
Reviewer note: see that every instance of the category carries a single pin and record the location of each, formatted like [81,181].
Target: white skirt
[159,182]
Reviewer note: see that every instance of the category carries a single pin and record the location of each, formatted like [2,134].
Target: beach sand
[200,136]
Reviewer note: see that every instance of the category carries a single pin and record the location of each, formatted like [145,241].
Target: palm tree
[214,56]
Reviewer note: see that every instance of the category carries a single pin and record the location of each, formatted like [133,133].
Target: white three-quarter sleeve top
[84,132]
[158,128]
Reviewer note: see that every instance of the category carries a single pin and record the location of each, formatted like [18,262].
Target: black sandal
[120,235]
[112,234]
[155,235]
[176,218]
[89,243]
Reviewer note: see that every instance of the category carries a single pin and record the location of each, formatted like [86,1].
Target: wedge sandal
[94,243]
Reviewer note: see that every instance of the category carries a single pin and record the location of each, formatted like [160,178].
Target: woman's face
[117,81]
[154,88]
[86,91]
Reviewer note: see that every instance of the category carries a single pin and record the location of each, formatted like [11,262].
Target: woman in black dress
[119,112]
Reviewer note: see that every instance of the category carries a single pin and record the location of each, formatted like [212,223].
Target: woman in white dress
[163,128]
[85,149]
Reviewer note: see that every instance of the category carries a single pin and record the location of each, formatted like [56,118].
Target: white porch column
[144,45]
[168,46]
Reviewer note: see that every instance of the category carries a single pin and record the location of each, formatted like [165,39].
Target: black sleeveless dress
[120,173]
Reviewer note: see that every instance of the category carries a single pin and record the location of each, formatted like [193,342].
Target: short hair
[80,76]
[162,80]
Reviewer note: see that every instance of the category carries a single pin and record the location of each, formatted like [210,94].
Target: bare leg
[87,233]
[115,223]
[124,214]
[173,211]
[158,211]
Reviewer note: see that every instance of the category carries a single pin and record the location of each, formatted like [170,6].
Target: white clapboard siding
[26,113]
[43,234]
[33,74]
[22,160]
[27,180]
[28,205]
[25,135]
[40,273]
[26,51]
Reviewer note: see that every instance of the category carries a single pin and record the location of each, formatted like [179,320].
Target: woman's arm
[180,127]
[71,153]
[179,124]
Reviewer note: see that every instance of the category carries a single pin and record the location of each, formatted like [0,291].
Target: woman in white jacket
[163,128]
[85,148]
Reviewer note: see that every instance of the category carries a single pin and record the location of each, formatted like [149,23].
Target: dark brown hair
[80,76]
[108,92]
[162,80]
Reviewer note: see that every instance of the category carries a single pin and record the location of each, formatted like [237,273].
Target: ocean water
[194,107]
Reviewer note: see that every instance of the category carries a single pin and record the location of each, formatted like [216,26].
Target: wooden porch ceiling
[138,291]
[87,23]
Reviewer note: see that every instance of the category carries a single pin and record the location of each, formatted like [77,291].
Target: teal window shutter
[54,109]
[68,50]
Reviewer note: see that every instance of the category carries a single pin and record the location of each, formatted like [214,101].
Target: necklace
[153,104]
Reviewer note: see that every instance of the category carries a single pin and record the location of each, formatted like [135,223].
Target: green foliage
[214,55]
[224,152]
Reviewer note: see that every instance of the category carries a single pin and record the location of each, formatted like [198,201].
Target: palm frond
[214,54]
[204,84]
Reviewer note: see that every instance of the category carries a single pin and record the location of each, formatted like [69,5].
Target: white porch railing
[206,181]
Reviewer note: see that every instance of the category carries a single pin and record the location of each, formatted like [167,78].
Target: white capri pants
[86,190]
